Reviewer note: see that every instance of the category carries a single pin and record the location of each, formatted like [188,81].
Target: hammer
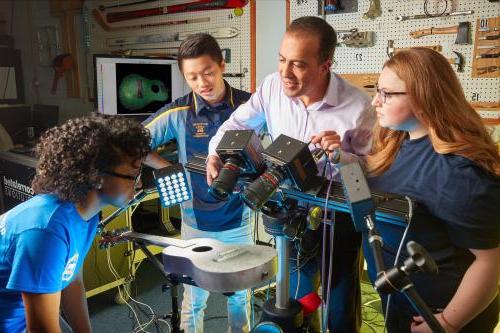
[462,30]
[391,50]
[458,61]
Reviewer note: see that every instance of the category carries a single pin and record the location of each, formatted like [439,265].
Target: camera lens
[223,185]
[257,193]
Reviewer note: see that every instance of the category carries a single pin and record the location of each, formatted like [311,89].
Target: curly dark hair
[74,154]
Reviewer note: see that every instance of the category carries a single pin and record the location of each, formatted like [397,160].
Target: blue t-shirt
[192,122]
[43,244]
[458,208]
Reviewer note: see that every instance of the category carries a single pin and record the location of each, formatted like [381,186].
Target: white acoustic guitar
[212,265]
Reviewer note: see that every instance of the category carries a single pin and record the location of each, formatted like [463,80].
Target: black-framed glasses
[386,95]
[135,178]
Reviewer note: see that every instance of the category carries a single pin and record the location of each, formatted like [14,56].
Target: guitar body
[212,265]
[219,267]
[136,91]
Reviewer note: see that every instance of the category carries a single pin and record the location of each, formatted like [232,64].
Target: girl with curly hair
[84,165]
[430,145]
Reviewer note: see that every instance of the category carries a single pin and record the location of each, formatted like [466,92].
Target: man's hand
[214,164]
[328,140]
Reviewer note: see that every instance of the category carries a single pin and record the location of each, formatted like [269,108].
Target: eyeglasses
[386,95]
[135,178]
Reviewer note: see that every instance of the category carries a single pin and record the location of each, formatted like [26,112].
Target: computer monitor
[136,86]
[11,77]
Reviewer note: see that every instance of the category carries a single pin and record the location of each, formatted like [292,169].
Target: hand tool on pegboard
[490,37]
[458,61]
[219,33]
[158,52]
[101,20]
[194,6]
[488,56]
[126,4]
[357,38]
[487,69]
[337,7]
[486,60]
[67,12]
[487,29]
[425,16]
[61,64]
[391,50]
[374,11]
[331,6]
[462,30]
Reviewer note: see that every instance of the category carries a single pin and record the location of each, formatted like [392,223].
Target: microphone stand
[397,278]
[281,311]
[138,197]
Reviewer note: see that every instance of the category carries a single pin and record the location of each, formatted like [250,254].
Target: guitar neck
[156,240]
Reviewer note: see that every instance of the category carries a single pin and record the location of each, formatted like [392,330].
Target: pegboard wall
[349,60]
[202,21]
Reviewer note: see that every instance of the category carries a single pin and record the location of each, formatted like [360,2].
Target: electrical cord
[332,237]
[410,216]
[298,276]
[117,277]
[154,317]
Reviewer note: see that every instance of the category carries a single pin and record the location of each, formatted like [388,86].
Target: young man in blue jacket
[192,121]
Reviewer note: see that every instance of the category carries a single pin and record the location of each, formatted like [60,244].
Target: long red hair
[437,97]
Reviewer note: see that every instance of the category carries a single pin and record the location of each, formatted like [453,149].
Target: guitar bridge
[223,256]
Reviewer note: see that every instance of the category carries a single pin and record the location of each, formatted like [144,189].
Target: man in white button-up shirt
[306,101]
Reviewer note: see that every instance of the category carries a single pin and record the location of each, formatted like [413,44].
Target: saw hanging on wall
[102,22]
[200,5]
[226,32]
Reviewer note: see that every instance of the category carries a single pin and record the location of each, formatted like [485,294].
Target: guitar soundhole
[155,88]
[202,249]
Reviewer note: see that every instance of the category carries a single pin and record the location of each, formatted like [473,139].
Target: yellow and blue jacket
[192,123]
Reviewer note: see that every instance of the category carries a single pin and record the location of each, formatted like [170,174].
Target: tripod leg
[175,318]
[172,285]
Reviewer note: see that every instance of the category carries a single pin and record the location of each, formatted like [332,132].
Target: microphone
[138,197]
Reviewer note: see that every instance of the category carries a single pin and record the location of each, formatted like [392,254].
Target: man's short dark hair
[72,156]
[198,45]
[318,27]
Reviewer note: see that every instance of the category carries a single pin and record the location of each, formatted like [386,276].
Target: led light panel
[172,185]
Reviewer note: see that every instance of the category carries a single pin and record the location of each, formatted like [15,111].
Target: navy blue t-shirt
[43,244]
[458,208]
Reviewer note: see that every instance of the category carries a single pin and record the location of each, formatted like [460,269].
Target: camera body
[294,158]
[288,158]
[241,152]
[243,146]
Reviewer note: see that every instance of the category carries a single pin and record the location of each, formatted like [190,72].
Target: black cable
[215,317]
[426,11]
